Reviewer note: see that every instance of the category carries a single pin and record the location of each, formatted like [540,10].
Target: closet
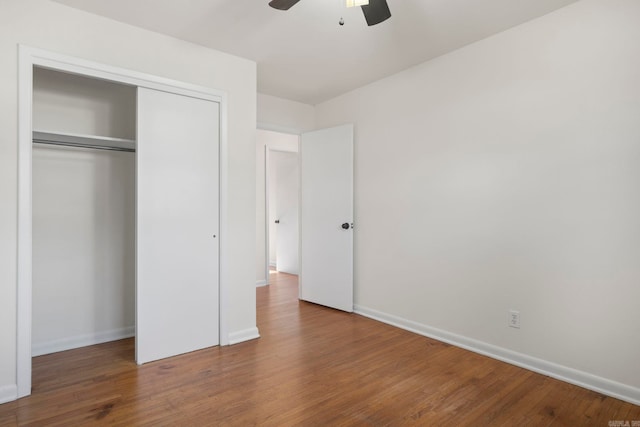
[125,215]
[83,195]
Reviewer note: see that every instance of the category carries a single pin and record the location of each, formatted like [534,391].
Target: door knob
[277,221]
[346,226]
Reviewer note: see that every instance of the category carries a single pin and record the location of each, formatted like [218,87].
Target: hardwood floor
[312,367]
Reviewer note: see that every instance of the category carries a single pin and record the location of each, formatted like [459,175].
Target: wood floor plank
[312,366]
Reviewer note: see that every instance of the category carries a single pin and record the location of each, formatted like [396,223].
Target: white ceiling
[304,55]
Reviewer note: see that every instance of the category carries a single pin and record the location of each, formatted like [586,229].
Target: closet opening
[83,217]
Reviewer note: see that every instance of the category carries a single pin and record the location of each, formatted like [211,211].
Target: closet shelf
[86,141]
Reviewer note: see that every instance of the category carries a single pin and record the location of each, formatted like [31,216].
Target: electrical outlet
[514,319]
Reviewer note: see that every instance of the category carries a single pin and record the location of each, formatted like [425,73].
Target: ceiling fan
[375,11]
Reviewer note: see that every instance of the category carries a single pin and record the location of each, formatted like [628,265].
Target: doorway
[277,204]
[282,198]
[324,185]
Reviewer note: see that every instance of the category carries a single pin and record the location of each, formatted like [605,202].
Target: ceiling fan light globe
[354,3]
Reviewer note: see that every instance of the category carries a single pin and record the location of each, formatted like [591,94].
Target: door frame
[30,57]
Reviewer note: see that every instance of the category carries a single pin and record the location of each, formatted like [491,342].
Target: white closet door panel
[177,219]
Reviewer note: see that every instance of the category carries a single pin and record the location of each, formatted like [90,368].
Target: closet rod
[80,145]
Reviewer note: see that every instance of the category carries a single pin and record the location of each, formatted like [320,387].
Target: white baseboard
[69,343]
[8,393]
[242,336]
[563,373]
[261,283]
[272,264]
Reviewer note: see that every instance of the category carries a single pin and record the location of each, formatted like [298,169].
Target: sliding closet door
[177,225]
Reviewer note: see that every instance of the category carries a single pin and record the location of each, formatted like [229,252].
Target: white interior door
[326,234]
[286,201]
[177,225]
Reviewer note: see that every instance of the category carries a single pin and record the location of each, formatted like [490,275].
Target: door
[326,233]
[286,201]
[177,225]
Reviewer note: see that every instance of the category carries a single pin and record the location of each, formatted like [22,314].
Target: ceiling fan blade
[282,4]
[376,12]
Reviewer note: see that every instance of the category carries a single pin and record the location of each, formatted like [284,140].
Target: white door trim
[30,57]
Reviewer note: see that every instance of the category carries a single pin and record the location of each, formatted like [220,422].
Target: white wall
[47,25]
[74,104]
[505,175]
[284,115]
[83,247]
[275,141]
